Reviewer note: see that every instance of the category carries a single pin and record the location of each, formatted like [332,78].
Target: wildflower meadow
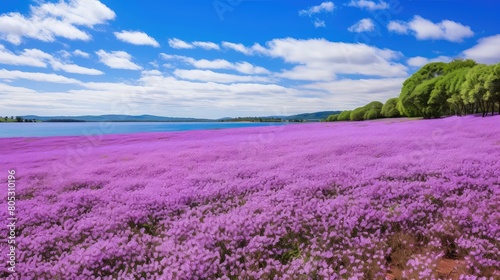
[366,200]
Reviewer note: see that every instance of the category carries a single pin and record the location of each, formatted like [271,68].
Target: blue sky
[219,58]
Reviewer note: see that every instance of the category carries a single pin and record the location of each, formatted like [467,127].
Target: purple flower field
[303,201]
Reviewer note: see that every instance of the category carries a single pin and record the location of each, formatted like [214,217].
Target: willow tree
[389,109]
[493,86]
[445,97]
[474,91]
[410,104]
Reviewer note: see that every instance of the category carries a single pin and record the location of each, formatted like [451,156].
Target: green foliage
[408,105]
[389,109]
[493,85]
[332,118]
[373,110]
[344,116]
[374,105]
[474,90]
[460,87]
[372,114]
[370,111]
[457,64]
[358,114]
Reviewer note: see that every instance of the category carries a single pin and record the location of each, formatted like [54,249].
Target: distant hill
[114,118]
[150,118]
[312,116]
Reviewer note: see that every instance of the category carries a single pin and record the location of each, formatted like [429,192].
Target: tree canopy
[438,89]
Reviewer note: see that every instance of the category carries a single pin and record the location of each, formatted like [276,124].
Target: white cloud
[486,51]
[64,54]
[156,92]
[73,68]
[364,25]
[36,76]
[50,20]
[319,23]
[179,44]
[247,68]
[206,45]
[11,89]
[26,58]
[319,59]
[242,67]
[81,54]
[117,60]
[369,5]
[38,58]
[424,29]
[211,76]
[136,38]
[348,94]
[419,61]
[321,8]
[237,47]
[399,27]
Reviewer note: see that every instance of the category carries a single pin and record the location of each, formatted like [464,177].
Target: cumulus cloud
[319,23]
[35,76]
[179,44]
[320,59]
[136,38]
[117,60]
[324,7]
[47,21]
[424,29]
[154,92]
[399,27]
[242,66]
[364,25]
[237,47]
[419,61]
[369,5]
[211,76]
[348,94]
[38,58]
[26,58]
[73,68]
[81,54]
[486,51]
[206,45]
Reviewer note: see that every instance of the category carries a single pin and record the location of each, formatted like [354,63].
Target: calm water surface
[87,128]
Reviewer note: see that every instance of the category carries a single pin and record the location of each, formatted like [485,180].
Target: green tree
[413,105]
[459,64]
[454,89]
[389,109]
[358,114]
[19,119]
[373,110]
[474,91]
[372,114]
[344,116]
[332,118]
[493,85]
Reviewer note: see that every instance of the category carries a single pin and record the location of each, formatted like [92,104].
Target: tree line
[16,119]
[460,87]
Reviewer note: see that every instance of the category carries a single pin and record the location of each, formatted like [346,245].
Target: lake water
[86,128]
